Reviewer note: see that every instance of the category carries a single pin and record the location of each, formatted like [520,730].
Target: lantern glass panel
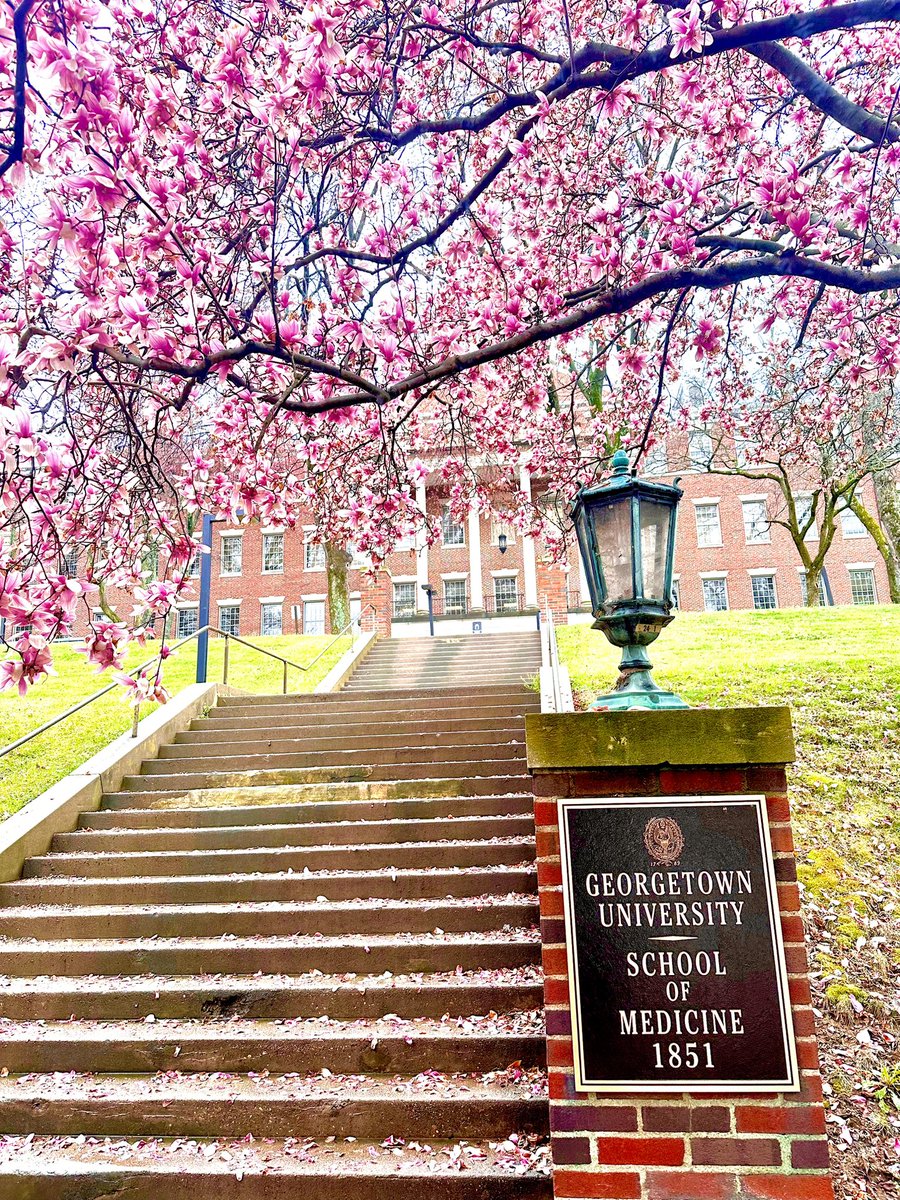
[612,538]
[655,521]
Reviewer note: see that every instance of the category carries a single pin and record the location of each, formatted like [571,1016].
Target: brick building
[730,553]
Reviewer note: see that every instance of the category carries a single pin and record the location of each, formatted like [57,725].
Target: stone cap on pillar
[670,737]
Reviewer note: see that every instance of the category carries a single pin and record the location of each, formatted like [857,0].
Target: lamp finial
[621,463]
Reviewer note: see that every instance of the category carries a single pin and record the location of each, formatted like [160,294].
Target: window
[230,618]
[314,616]
[454,596]
[676,593]
[193,567]
[508,531]
[358,560]
[763,588]
[232,554]
[756,522]
[273,553]
[852,526]
[404,599]
[313,555]
[150,563]
[715,595]
[804,509]
[270,620]
[454,534]
[656,460]
[506,593]
[709,527]
[804,589]
[68,563]
[746,452]
[187,622]
[862,585]
[407,542]
[700,449]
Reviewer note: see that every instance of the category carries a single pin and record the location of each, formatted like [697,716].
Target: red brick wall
[678,1147]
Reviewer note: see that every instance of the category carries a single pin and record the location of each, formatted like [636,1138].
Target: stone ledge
[30,831]
[674,737]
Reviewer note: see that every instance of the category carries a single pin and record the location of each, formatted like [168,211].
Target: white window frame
[764,536]
[447,523]
[694,436]
[456,608]
[858,530]
[406,612]
[271,604]
[307,604]
[863,569]
[317,549]
[231,539]
[805,499]
[230,605]
[185,610]
[272,533]
[707,502]
[498,527]
[712,576]
[764,574]
[501,577]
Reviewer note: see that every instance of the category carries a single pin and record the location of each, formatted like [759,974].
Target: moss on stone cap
[675,737]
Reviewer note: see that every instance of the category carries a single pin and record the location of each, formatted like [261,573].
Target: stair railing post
[284,680]
[135,720]
[225,658]
[205,587]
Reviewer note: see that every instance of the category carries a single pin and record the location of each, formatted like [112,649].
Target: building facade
[730,554]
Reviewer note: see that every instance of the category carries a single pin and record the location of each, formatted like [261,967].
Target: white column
[421,553]
[476,586]
[529,559]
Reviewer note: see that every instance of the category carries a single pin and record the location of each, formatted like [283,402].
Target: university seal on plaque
[664,841]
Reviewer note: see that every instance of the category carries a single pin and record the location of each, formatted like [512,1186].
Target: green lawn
[25,773]
[839,670]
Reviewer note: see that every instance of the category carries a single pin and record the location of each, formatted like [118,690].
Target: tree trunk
[813,575]
[337,562]
[887,547]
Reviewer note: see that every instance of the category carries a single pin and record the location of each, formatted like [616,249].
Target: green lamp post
[626,534]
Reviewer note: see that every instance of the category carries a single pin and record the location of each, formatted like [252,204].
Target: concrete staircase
[296,956]
[492,660]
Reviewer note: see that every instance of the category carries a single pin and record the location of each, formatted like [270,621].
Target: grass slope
[839,670]
[26,772]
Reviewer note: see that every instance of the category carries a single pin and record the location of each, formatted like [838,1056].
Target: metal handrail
[177,646]
[553,672]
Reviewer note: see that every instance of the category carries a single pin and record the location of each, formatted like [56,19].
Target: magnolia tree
[266,256]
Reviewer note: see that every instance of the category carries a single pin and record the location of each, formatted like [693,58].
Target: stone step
[392,679]
[42,1168]
[346,996]
[351,710]
[273,955]
[362,1106]
[318,736]
[382,748]
[349,857]
[390,772]
[397,1046]
[397,789]
[305,919]
[302,833]
[313,810]
[261,758]
[436,698]
[389,884]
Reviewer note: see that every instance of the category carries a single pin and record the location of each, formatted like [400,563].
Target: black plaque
[676,961]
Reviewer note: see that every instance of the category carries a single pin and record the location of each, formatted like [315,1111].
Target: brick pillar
[551,586]
[376,591]
[674,1146]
